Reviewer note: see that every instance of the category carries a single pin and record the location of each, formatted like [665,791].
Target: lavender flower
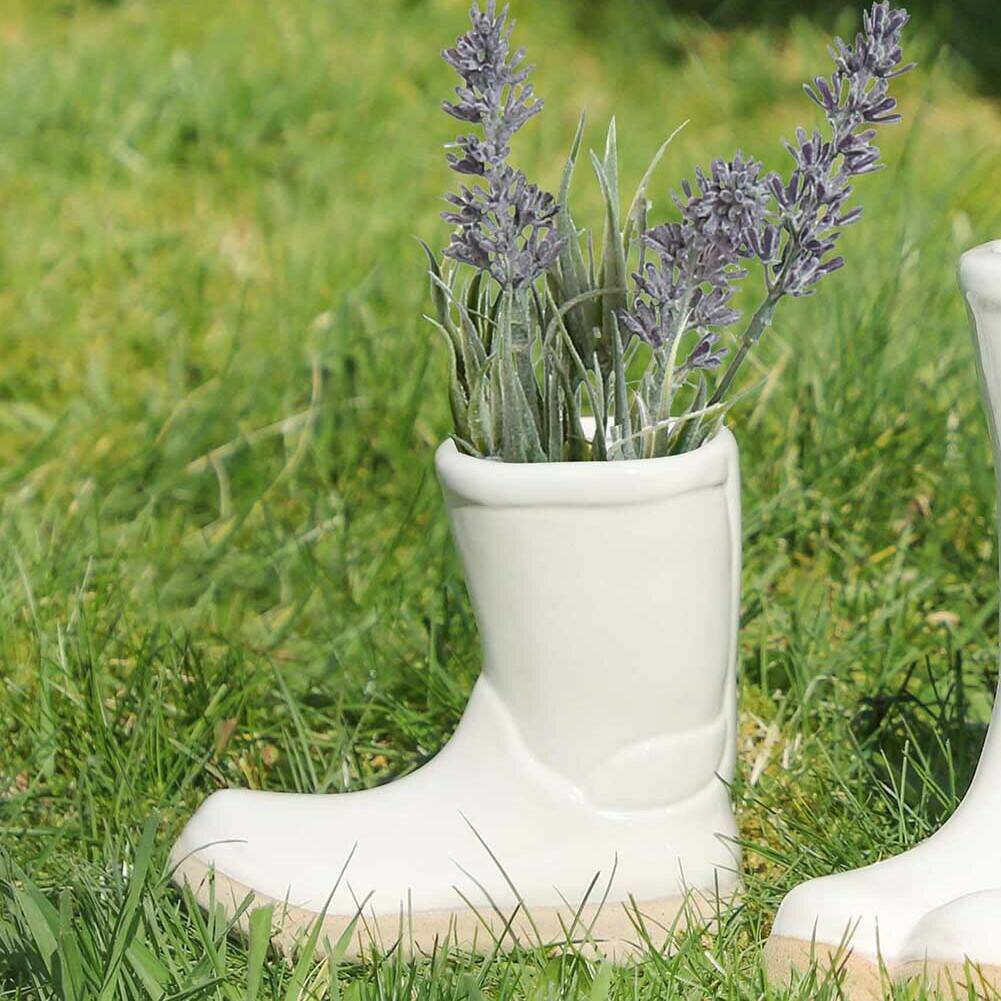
[730,207]
[679,294]
[506,226]
[811,204]
[698,267]
[506,229]
[737,212]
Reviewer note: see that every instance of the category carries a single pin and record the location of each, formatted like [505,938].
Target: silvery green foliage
[543,329]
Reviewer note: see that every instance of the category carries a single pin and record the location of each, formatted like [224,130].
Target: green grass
[223,555]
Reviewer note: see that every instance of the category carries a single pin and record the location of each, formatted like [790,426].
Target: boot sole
[617,931]
[861,978]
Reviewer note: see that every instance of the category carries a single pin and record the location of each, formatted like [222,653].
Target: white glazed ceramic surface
[596,739]
[938,902]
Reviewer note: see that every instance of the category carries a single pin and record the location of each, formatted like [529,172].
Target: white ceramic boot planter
[598,738]
[931,910]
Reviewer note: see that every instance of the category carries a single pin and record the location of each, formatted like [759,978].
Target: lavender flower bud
[811,204]
[702,357]
[494,94]
[731,206]
[507,227]
[724,219]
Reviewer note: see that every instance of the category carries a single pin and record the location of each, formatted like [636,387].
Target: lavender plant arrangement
[641,336]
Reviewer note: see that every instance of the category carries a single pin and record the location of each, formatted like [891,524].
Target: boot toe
[965,929]
[255,841]
[221,829]
[848,913]
[318,852]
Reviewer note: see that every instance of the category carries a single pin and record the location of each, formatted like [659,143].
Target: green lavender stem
[759,323]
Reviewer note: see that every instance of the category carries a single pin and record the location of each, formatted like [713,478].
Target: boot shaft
[607,598]
[980,282]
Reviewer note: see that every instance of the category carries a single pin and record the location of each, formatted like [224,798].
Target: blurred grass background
[223,556]
[962,26]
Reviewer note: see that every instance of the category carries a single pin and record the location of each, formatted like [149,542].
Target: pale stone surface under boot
[619,931]
[861,978]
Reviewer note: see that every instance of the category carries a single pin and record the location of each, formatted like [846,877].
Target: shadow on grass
[921,738]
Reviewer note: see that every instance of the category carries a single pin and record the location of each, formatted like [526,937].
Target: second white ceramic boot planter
[935,910]
[598,740]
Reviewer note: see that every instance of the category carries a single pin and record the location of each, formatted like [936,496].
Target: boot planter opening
[935,911]
[583,795]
